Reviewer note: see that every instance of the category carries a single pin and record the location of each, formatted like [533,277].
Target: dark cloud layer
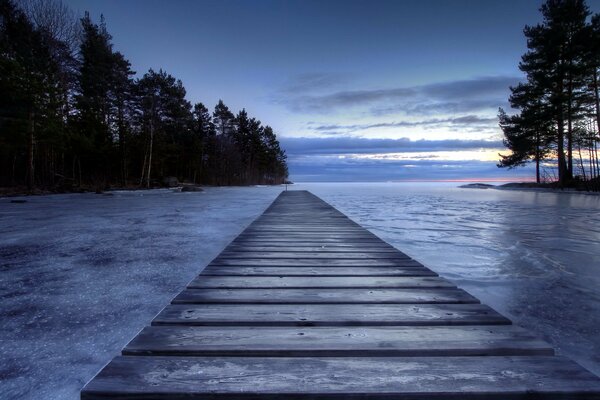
[457,106]
[414,170]
[345,145]
[311,82]
[466,122]
[445,97]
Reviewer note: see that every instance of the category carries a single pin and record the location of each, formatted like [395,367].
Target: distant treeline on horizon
[72,115]
[558,119]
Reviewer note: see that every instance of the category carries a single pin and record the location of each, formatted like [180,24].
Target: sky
[365,90]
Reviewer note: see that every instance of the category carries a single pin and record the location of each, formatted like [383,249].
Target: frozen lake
[80,275]
[533,256]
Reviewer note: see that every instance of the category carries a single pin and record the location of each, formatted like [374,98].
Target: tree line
[72,114]
[558,106]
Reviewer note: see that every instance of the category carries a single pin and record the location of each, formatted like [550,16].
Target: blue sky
[355,90]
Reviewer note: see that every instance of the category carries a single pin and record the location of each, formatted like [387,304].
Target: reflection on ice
[80,275]
[533,256]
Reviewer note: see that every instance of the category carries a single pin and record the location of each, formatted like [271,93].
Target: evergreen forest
[74,115]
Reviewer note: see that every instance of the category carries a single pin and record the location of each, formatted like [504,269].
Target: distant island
[550,186]
[73,118]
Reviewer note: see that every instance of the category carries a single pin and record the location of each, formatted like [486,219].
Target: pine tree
[204,145]
[93,103]
[165,115]
[122,106]
[27,91]
[553,99]
[69,116]
[224,121]
[530,134]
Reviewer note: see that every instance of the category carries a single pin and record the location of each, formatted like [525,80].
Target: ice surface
[533,256]
[81,274]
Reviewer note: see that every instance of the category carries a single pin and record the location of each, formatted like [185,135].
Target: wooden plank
[282,242]
[364,378]
[259,262]
[284,239]
[301,231]
[304,233]
[338,245]
[268,282]
[309,237]
[295,220]
[318,255]
[324,296]
[329,315]
[317,271]
[323,226]
[503,340]
[295,226]
[360,319]
[309,249]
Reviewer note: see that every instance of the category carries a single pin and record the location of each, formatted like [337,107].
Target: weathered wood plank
[304,280]
[317,271]
[302,231]
[311,236]
[329,315]
[343,226]
[259,262]
[406,378]
[318,255]
[344,232]
[503,340]
[309,249]
[284,239]
[301,234]
[285,244]
[324,296]
[268,282]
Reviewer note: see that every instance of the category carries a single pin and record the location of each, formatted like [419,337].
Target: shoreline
[14,192]
[530,187]
[10,192]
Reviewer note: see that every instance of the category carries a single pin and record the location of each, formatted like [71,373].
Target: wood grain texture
[324,255]
[337,342]
[307,304]
[278,245]
[324,296]
[285,240]
[300,262]
[350,237]
[407,378]
[316,271]
[329,315]
[309,249]
[273,282]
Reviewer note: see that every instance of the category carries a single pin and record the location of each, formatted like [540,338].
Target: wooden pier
[307,304]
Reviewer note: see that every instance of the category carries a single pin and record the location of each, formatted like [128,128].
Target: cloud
[331,170]
[466,122]
[352,145]
[468,95]
[341,150]
[312,82]
[427,108]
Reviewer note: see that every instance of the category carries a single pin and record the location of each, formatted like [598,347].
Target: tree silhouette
[72,116]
